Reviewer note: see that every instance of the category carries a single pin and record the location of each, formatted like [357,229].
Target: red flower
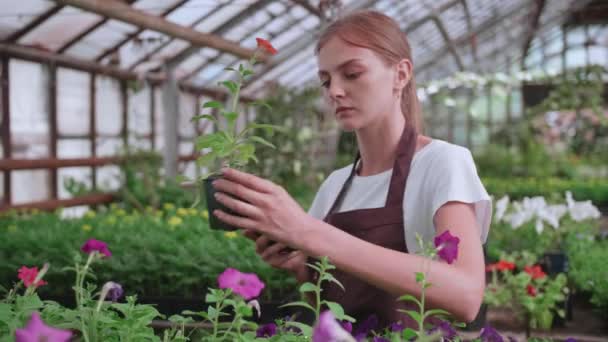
[535,272]
[502,265]
[531,291]
[28,276]
[266,46]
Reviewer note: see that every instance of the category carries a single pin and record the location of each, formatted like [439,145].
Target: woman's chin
[348,124]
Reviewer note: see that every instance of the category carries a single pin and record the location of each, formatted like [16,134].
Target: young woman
[365,216]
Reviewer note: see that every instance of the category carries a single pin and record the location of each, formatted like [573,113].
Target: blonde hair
[381,34]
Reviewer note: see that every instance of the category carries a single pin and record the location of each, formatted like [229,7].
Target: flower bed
[158,253]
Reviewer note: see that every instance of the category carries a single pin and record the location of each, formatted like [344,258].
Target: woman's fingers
[249,180]
[261,244]
[238,206]
[251,234]
[237,221]
[238,190]
[276,248]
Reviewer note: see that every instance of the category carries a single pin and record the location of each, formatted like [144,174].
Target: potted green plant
[527,291]
[227,146]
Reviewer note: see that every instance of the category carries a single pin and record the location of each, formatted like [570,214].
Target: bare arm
[457,288]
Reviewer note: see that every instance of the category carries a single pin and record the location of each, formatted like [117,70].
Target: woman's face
[357,85]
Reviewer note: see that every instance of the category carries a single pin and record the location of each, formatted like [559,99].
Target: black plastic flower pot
[213,204]
[555,262]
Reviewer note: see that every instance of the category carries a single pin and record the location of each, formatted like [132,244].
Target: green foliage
[535,299]
[168,252]
[588,270]
[227,146]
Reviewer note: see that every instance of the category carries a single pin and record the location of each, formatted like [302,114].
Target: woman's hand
[262,207]
[280,256]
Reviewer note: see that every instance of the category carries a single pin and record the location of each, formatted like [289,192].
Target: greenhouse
[303,170]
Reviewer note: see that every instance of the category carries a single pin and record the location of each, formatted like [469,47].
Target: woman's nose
[335,90]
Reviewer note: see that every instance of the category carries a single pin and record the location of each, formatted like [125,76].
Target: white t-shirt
[440,172]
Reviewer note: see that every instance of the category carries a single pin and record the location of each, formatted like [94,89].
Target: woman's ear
[403,75]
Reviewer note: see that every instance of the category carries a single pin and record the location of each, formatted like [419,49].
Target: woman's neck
[378,145]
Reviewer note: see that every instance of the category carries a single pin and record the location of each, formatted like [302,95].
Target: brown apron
[381,226]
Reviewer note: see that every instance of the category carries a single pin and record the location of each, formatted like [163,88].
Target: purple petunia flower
[111,290]
[247,285]
[36,331]
[570,339]
[397,327]
[366,327]
[346,325]
[266,330]
[328,329]
[447,331]
[380,339]
[93,245]
[489,334]
[448,246]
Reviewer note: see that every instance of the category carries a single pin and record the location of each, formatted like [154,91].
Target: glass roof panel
[138,47]
[21,13]
[191,11]
[59,29]
[155,7]
[102,38]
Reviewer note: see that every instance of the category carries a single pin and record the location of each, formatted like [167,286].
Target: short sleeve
[457,180]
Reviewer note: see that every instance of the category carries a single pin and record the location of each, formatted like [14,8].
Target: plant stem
[422,296]
[80,276]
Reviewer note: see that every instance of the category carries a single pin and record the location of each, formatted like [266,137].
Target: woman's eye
[352,76]
[325,84]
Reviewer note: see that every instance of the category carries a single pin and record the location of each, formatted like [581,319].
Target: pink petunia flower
[246,285]
[448,246]
[28,276]
[93,245]
[36,331]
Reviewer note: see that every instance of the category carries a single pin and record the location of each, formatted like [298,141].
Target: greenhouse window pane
[20,13]
[29,109]
[60,28]
[30,186]
[73,97]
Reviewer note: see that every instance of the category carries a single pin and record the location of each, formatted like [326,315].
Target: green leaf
[210,298]
[215,141]
[419,277]
[336,309]
[306,330]
[415,315]
[230,116]
[231,85]
[212,104]
[262,141]
[230,69]
[410,298]
[206,160]
[247,72]
[6,312]
[308,287]
[204,116]
[28,303]
[261,103]
[299,303]
[409,333]
[436,312]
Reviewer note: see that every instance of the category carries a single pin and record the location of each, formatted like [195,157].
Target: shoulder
[440,157]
